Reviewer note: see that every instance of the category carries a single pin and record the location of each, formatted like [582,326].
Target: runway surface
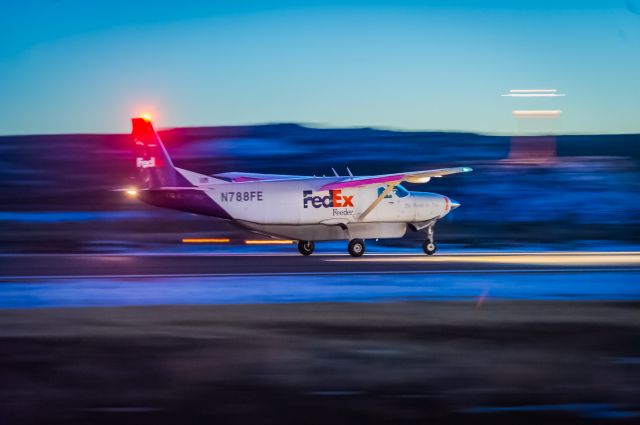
[15,267]
[28,281]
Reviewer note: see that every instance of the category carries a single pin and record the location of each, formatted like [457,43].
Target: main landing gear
[306,247]
[356,247]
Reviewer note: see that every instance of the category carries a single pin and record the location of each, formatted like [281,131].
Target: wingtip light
[146,116]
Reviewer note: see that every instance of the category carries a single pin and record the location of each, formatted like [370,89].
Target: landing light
[131,192]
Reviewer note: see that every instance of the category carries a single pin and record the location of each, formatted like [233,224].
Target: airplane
[302,208]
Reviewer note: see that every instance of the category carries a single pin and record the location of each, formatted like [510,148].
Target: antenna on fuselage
[335,173]
[349,171]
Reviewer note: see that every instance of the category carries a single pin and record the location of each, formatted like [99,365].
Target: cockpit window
[399,191]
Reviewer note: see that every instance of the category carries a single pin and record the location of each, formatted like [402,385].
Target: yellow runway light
[267,242]
[205,240]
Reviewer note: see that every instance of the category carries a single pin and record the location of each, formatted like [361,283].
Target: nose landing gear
[429,246]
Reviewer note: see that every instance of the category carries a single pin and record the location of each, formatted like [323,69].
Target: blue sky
[78,66]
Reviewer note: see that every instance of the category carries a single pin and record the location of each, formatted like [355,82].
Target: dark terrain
[418,362]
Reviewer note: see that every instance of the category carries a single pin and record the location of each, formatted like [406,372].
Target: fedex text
[335,199]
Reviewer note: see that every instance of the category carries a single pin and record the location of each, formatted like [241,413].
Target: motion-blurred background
[559,192]
[541,98]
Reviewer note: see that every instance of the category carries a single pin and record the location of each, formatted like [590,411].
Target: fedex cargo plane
[302,208]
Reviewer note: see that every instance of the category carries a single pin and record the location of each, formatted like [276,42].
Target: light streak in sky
[533,93]
[537,113]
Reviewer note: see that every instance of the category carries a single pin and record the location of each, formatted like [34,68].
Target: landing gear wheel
[306,247]
[429,247]
[356,247]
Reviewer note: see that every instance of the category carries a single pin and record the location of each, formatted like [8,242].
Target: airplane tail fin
[155,169]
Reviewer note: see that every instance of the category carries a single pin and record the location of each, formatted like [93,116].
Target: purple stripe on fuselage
[362,182]
[193,201]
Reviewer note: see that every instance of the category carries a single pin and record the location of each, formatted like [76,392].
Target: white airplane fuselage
[302,202]
[300,209]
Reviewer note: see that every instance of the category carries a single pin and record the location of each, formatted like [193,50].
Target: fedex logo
[334,199]
[142,163]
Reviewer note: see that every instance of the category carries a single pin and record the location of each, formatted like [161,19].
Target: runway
[14,267]
[32,281]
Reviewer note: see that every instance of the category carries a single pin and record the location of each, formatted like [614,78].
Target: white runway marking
[546,259]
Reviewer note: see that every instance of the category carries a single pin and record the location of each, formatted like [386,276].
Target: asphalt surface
[27,266]
[507,362]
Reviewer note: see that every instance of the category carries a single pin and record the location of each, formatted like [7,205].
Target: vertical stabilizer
[155,169]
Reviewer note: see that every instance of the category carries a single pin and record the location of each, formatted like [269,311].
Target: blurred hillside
[57,190]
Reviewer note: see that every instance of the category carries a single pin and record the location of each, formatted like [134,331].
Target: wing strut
[390,187]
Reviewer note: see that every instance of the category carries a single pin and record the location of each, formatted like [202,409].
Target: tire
[306,248]
[429,248]
[356,247]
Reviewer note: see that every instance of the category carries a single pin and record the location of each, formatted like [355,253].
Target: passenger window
[380,190]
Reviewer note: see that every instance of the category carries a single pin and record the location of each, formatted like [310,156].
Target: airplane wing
[238,177]
[395,179]
[392,180]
